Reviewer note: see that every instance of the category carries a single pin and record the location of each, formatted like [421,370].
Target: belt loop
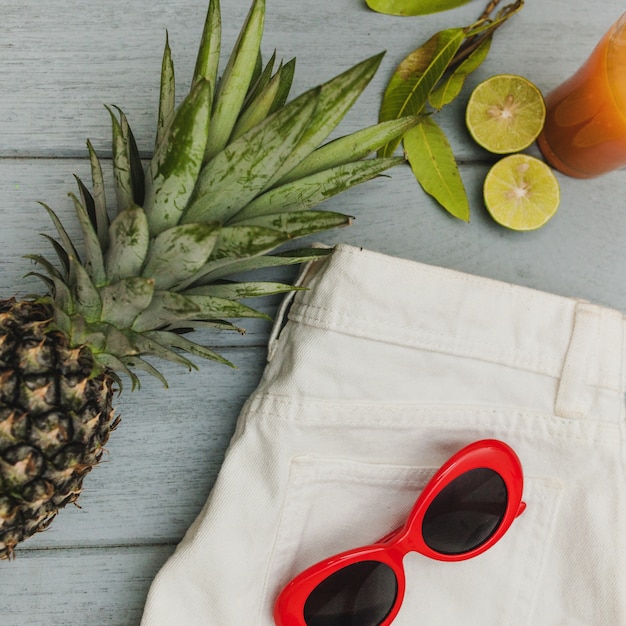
[575,396]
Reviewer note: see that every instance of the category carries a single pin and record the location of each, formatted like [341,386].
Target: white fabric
[386,368]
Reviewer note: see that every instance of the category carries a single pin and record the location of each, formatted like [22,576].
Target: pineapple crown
[236,173]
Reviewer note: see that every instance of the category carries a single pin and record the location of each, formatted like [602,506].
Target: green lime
[521,192]
[505,113]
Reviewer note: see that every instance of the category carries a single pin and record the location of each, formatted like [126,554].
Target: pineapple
[235,174]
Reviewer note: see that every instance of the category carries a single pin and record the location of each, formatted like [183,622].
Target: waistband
[372,295]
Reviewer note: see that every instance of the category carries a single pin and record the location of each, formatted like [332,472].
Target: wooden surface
[60,62]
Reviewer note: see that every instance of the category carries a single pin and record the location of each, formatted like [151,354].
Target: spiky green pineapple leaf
[113,364]
[99,198]
[168,306]
[307,192]
[179,252]
[236,80]
[238,242]
[301,223]
[60,252]
[129,239]
[242,290]
[87,201]
[259,108]
[123,300]
[350,148]
[239,172]
[134,160]
[136,362]
[146,346]
[66,242]
[84,292]
[121,165]
[286,79]
[207,60]
[242,241]
[235,266]
[93,262]
[167,93]
[259,83]
[336,97]
[53,272]
[183,326]
[176,340]
[177,161]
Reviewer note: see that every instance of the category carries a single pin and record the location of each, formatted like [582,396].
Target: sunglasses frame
[390,550]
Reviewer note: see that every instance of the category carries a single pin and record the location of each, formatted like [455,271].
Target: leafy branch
[429,78]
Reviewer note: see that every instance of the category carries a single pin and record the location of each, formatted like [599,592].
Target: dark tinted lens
[361,594]
[466,512]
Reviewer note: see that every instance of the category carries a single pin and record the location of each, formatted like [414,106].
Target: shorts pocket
[332,505]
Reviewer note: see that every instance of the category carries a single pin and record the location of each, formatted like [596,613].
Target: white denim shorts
[383,370]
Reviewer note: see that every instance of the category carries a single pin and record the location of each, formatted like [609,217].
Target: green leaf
[167,93]
[434,166]
[301,223]
[60,252]
[179,252]
[121,165]
[413,7]
[238,242]
[168,306]
[175,166]
[286,79]
[336,97]
[236,80]
[416,76]
[85,295]
[135,362]
[449,89]
[290,257]
[144,345]
[115,364]
[207,61]
[259,108]
[53,272]
[129,236]
[86,199]
[310,191]
[123,300]
[177,341]
[349,148]
[239,172]
[240,291]
[241,241]
[94,263]
[66,242]
[99,199]
[259,83]
[134,160]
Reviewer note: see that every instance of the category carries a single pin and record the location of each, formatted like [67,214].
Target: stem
[484,28]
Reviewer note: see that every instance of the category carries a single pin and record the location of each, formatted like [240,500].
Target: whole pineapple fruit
[236,172]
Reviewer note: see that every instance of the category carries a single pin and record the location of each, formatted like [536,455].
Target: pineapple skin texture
[55,419]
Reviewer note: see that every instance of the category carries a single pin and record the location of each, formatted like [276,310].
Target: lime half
[505,113]
[521,192]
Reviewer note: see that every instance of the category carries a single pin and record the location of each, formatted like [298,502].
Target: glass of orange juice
[585,130]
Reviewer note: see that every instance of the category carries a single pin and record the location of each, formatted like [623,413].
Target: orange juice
[585,130]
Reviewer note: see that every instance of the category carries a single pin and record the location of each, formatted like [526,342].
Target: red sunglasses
[465,509]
